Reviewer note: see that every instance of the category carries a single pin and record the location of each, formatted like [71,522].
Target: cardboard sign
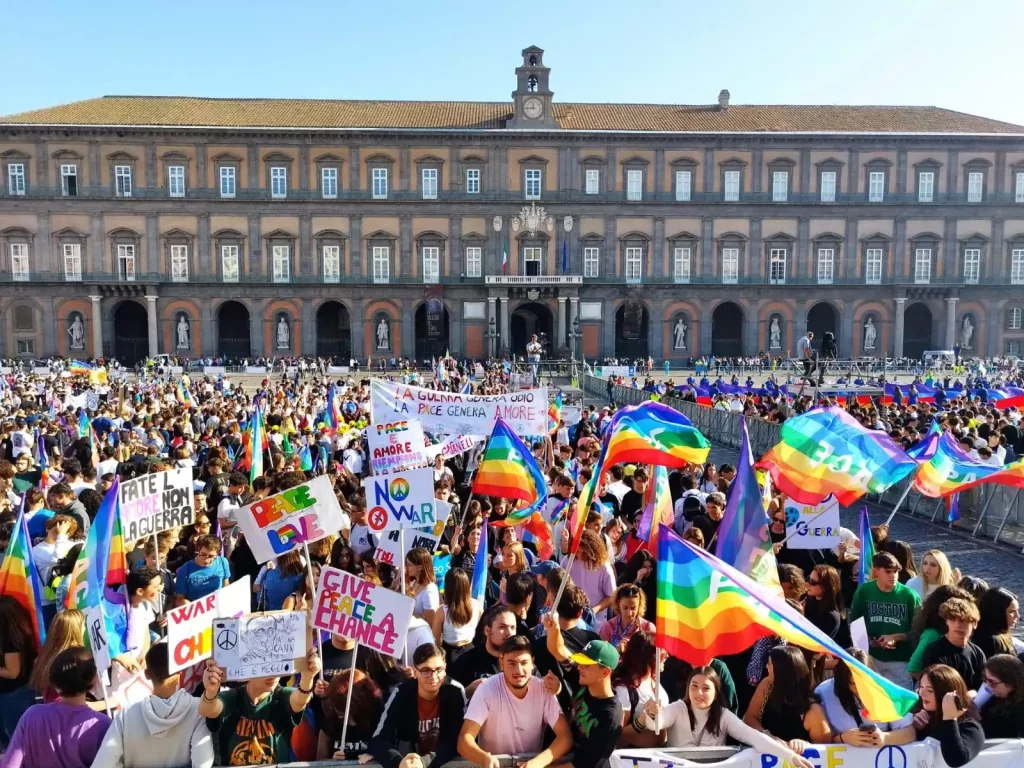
[260,645]
[373,616]
[812,526]
[96,629]
[453,446]
[396,445]
[389,544]
[190,627]
[284,521]
[153,503]
[400,500]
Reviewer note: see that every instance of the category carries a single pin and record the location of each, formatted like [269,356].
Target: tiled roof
[312,113]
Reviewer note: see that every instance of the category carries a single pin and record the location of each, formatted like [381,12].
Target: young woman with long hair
[1002,716]
[783,703]
[343,557]
[465,545]
[634,684]
[630,605]
[904,556]
[275,584]
[67,630]
[419,583]
[823,605]
[367,705]
[1000,612]
[18,649]
[454,626]
[935,572]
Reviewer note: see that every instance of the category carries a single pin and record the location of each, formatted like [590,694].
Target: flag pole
[401,566]
[348,696]
[316,636]
[910,487]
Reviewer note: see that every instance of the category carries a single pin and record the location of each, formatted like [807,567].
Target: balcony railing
[534,280]
[140,278]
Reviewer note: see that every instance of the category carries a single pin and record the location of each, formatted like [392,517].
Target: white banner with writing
[812,526]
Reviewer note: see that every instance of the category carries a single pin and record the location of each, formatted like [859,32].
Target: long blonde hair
[948,577]
[65,631]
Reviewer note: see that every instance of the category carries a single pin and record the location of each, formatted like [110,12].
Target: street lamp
[492,337]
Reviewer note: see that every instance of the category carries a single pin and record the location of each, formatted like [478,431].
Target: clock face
[533,108]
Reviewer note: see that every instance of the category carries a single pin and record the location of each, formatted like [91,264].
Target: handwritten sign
[396,445]
[96,629]
[453,446]
[373,616]
[812,526]
[260,645]
[153,503]
[284,521]
[400,500]
[389,550]
[190,627]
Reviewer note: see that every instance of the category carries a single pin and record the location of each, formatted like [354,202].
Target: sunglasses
[633,591]
[814,583]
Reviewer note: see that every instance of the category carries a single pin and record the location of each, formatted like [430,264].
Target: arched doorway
[727,330]
[431,329]
[333,331]
[632,328]
[233,330]
[533,318]
[917,331]
[822,319]
[131,340]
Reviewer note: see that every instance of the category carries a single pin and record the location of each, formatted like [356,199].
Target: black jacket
[398,731]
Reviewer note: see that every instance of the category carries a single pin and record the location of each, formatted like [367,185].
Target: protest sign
[400,500]
[812,526]
[373,616]
[453,446]
[190,627]
[96,628]
[260,645]
[442,564]
[289,519]
[454,413]
[389,545]
[153,503]
[396,445]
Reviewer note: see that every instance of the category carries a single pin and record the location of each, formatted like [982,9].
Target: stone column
[154,341]
[506,336]
[97,326]
[574,312]
[901,308]
[492,325]
[561,326]
[951,321]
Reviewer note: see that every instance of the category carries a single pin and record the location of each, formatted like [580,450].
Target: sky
[962,56]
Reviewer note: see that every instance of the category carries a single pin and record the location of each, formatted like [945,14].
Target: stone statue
[775,335]
[966,332]
[283,335]
[870,334]
[77,332]
[680,335]
[183,333]
[383,334]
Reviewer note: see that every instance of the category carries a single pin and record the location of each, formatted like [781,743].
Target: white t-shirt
[427,600]
[21,442]
[106,467]
[359,538]
[509,725]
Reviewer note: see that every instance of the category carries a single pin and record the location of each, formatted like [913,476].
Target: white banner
[260,645]
[215,369]
[40,370]
[453,413]
[396,445]
[453,446]
[96,629]
[400,500]
[812,526]
[604,371]
[336,369]
[520,380]
[153,503]
[190,627]
[177,370]
[255,369]
[389,548]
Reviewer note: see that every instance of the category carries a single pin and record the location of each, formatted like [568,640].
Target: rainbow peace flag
[707,608]
[925,449]
[555,413]
[79,368]
[305,459]
[658,510]
[1011,474]
[84,425]
[867,547]
[254,444]
[19,577]
[537,532]
[826,451]
[333,417]
[508,470]
[949,469]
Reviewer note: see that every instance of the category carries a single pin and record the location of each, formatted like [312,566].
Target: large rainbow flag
[949,469]
[19,577]
[658,510]
[254,443]
[508,470]
[925,449]
[707,608]
[79,368]
[1011,474]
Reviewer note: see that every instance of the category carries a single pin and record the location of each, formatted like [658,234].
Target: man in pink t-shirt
[508,712]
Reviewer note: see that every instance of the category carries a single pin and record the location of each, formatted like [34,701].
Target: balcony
[534,280]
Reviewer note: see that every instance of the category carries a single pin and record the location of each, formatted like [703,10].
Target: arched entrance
[533,318]
[131,340]
[233,330]
[431,328]
[917,331]
[822,319]
[727,330]
[333,331]
[632,327]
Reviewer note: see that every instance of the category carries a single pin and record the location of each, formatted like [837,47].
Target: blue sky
[963,56]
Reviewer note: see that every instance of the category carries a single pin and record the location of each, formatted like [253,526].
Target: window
[123,180]
[282,263]
[683,186]
[126,262]
[533,184]
[873,266]
[780,186]
[923,265]
[531,260]
[1017,266]
[332,262]
[429,176]
[777,266]
[380,183]
[681,265]
[227,181]
[279,182]
[634,264]
[732,185]
[730,265]
[975,184]
[828,186]
[972,265]
[431,264]
[179,263]
[329,182]
[381,259]
[69,180]
[26,347]
[16,179]
[474,261]
[826,266]
[925,187]
[1013,348]
[634,185]
[473,181]
[1015,319]
[176,180]
[19,261]
[229,260]
[876,186]
[593,181]
[1019,194]
[73,262]
[591,261]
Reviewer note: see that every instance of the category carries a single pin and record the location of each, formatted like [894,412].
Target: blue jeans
[12,707]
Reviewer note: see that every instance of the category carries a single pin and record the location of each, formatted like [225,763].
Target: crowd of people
[511,673]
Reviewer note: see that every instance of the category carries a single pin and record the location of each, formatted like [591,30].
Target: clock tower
[532,96]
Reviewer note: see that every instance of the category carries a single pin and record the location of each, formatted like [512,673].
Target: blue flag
[867,548]
[565,258]
[479,585]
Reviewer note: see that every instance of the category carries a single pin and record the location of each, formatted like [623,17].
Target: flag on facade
[504,257]
[565,257]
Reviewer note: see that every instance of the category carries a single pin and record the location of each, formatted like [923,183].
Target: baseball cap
[598,652]
[543,568]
